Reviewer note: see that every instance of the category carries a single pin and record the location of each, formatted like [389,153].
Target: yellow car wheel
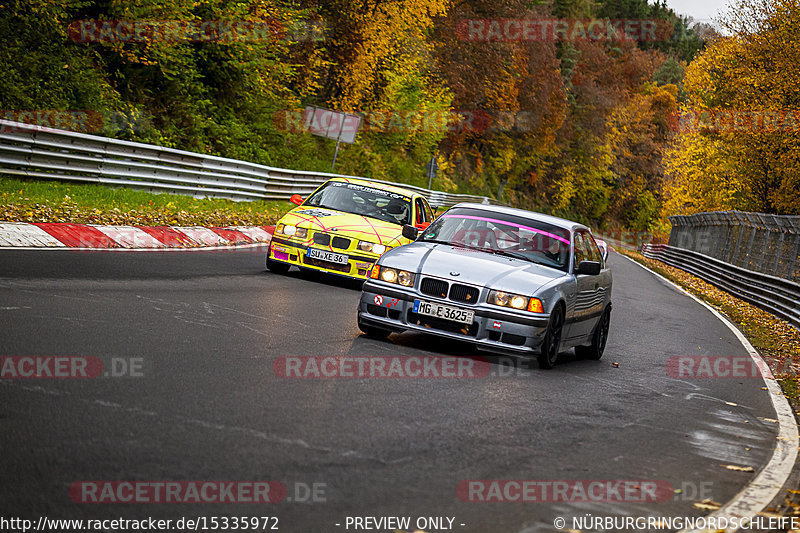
[277,267]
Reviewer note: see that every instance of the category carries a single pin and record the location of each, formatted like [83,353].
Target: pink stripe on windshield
[507,223]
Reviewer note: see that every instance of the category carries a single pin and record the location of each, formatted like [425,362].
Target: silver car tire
[552,340]
[373,332]
[599,339]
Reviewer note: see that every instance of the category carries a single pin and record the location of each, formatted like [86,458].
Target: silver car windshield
[524,239]
[363,200]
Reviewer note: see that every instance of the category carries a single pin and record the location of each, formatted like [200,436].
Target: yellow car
[344,226]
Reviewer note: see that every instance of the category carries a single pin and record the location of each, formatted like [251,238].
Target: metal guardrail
[776,295]
[45,153]
[769,244]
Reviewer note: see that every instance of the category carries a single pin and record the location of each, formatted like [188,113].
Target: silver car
[503,279]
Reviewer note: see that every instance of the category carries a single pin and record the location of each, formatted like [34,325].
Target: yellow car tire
[277,267]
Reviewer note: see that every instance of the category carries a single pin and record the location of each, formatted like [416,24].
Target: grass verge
[25,200]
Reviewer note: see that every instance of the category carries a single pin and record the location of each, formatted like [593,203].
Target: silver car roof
[533,215]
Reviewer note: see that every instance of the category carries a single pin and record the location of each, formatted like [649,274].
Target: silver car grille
[456,292]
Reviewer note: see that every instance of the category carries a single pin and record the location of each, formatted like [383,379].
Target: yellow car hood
[346,224]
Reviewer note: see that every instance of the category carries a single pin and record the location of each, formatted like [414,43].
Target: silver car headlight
[392,275]
[372,247]
[515,301]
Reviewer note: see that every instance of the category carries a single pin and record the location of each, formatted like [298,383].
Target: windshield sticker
[514,224]
[380,192]
[314,213]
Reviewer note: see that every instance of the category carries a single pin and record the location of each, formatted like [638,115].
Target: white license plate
[446,312]
[331,257]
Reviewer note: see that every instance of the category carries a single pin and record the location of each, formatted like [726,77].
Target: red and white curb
[93,236]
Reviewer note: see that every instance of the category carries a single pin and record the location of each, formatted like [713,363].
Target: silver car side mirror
[589,268]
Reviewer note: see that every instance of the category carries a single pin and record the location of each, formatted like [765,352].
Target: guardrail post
[674,230]
[29,155]
[764,246]
[750,245]
[736,259]
[722,233]
[779,250]
[729,220]
[723,244]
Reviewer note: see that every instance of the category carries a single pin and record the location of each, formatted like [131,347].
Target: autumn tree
[508,94]
[738,146]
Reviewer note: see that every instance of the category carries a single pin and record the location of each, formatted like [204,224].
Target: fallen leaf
[705,506]
[736,468]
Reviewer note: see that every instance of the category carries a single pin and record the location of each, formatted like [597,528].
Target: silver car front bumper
[493,329]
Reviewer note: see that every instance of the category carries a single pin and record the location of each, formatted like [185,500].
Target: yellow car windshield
[363,200]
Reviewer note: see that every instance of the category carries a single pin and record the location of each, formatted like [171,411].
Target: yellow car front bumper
[322,258]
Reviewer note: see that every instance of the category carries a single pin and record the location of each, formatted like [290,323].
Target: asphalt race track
[203,330]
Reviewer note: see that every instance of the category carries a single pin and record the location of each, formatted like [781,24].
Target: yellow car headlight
[365,246]
[291,231]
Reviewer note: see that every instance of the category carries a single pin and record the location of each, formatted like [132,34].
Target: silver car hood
[473,267]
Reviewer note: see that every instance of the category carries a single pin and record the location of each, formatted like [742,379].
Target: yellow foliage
[385,29]
[752,163]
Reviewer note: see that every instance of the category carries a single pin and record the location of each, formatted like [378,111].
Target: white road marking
[758,494]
